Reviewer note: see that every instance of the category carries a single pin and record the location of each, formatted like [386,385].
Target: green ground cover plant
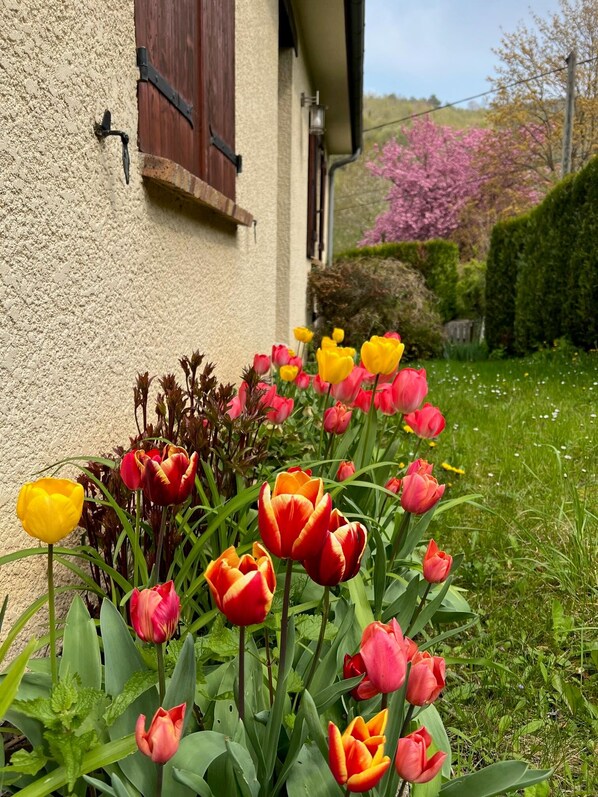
[524,432]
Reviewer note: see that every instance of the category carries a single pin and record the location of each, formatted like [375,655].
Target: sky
[442,47]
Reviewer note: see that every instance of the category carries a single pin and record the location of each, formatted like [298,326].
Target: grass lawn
[525,432]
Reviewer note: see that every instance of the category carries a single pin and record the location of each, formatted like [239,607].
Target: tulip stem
[52,616]
[284,623]
[269,665]
[422,603]
[161,675]
[155,577]
[326,399]
[318,650]
[137,550]
[400,537]
[159,779]
[242,673]
[407,720]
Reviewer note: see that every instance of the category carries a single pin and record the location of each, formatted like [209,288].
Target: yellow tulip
[49,509]
[338,334]
[347,350]
[328,343]
[303,334]
[334,365]
[288,372]
[382,355]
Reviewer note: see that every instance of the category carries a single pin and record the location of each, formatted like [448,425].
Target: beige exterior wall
[99,280]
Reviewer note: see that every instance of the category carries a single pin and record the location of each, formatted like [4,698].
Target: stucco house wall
[99,280]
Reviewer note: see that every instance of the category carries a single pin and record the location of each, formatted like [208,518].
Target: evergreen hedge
[436,260]
[542,270]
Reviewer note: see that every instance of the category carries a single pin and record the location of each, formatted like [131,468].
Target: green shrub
[368,296]
[471,289]
[436,260]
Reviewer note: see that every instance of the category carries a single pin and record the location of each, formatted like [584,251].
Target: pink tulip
[155,612]
[420,466]
[280,355]
[162,739]
[281,409]
[347,390]
[410,648]
[383,400]
[420,493]
[296,361]
[234,408]
[412,762]
[392,334]
[437,564]
[302,380]
[427,422]
[261,364]
[393,484]
[336,419]
[426,679]
[268,394]
[383,652]
[363,401]
[345,471]
[409,389]
[320,387]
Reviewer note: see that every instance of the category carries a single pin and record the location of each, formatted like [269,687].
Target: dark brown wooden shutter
[169,31]
[312,194]
[217,59]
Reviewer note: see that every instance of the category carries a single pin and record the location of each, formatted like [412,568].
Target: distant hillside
[359,196]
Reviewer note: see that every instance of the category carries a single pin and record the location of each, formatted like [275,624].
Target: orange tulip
[357,758]
[242,587]
[436,564]
[162,739]
[293,520]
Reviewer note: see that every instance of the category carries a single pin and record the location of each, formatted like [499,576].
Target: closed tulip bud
[242,588]
[302,380]
[334,365]
[411,648]
[427,422]
[363,401]
[345,471]
[130,469]
[393,484]
[420,466]
[303,334]
[261,364]
[288,372]
[339,558]
[347,390]
[338,335]
[293,520]
[420,493]
[356,757]
[383,652]
[162,739]
[49,509]
[320,387]
[412,762]
[267,395]
[437,564]
[328,343]
[281,409]
[280,355]
[426,679]
[296,361]
[383,401]
[352,667]
[336,419]
[382,355]
[234,408]
[171,480]
[409,389]
[392,334]
[155,612]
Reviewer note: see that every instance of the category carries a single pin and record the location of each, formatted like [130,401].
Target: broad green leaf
[193,781]
[244,769]
[429,789]
[310,776]
[488,782]
[80,648]
[181,688]
[359,598]
[403,606]
[195,754]
[12,679]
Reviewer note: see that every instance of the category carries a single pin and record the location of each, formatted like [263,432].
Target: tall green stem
[400,537]
[161,672]
[324,408]
[155,577]
[52,616]
[318,650]
[284,623]
[242,673]
[407,720]
[159,780]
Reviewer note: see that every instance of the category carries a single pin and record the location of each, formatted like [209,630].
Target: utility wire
[477,96]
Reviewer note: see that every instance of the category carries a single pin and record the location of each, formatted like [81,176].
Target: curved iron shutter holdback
[104,130]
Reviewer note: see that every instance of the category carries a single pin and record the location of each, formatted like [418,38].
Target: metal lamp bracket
[104,129]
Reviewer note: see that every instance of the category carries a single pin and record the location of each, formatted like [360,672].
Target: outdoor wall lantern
[316,113]
[104,129]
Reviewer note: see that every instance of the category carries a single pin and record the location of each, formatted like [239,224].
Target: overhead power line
[476,96]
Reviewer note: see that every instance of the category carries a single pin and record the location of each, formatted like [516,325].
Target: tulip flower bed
[270,606]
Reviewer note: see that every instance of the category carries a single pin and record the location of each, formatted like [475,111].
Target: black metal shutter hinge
[149,73]
[222,146]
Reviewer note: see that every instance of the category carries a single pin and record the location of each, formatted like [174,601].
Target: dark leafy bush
[471,289]
[368,296]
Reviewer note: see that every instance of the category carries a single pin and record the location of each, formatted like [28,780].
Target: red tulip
[353,666]
[261,364]
[130,469]
[363,401]
[384,655]
[409,389]
[296,361]
[412,762]
[347,390]
[427,422]
[345,471]
[293,521]
[393,484]
[337,418]
[303,380]
[383,400]
[170,481]
[437,564]
[155,612]
[339,558]
[280,355]
[392,334]
[426,679]
[242,587]
[267,396]
[320,387]
[281,409]
[357,758]
[162,739]
[420,493]
[234,408]
[420,466]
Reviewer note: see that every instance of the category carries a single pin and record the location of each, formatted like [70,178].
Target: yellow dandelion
[408,429]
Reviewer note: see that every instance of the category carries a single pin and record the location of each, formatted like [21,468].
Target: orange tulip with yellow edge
[49,509]
[334,365]
[356,757]
[303,334]
[382,355]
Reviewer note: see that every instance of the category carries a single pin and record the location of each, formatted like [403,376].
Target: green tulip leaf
[192,781]
[80,648]
[430,718]
[505,776]
[12,679]
[327,697]
[310,775]
[181,688]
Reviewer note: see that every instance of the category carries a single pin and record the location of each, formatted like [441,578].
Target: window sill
[173,176]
